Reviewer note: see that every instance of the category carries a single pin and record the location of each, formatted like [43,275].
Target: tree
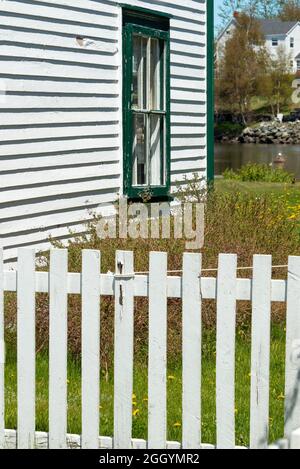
[276,85]
[267,9]
[253,8]
[242,66]
[227,9]
[289,10]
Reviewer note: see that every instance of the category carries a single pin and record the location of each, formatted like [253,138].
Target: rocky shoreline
[272,133]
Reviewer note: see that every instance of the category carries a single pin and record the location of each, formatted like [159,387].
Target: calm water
[233,156]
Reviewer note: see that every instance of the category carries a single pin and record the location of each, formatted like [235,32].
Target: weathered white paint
[61,111]
[157,366]
[90,349]
[226,326]
[140,285]
[292,378]
[123,358]
[58,349]
[191,351]
[260,356]
[295,439]
[26,349]
[73,442]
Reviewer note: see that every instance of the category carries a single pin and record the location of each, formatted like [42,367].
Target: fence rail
[125,285]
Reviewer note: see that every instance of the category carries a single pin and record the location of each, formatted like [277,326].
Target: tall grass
[255,172]
[235,222]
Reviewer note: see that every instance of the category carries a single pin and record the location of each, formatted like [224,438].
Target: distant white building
[277,34]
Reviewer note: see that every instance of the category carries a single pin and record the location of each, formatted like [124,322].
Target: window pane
[139,150]
[156,65]
[139,63]
[157,153]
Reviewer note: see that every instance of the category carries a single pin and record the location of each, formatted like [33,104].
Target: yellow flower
[171,378]
[145,399]
[281,397]
[133,397]
[177,425]
[134,403]
[136,412]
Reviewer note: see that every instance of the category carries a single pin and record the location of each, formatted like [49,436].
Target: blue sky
[217,4]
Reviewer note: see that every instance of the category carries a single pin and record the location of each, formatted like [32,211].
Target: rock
[272,132]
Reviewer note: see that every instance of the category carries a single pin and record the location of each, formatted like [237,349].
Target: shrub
[241,223]
[254,172]
[228,129]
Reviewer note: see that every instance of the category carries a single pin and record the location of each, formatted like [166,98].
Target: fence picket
[226,332]
[191,358]
[295,439]
[90,349]
[58,349]
[260,355]
[2,356]
[158,287]
[292,377]
[26,349]
[157,368]
[124,335]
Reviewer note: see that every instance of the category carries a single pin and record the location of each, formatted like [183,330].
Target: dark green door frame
[210,92]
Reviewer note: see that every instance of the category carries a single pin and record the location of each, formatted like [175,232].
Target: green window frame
[146,126]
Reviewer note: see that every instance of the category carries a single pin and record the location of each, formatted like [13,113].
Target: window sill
[155,194]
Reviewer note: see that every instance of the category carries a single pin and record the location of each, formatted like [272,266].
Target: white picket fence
[192,288]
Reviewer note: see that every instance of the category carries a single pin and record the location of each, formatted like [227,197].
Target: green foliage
[289,10]
[174,399]
[259,173]
[237,221]
[245,67]
[228,129]
[241,66]
[276,84]
[245,223]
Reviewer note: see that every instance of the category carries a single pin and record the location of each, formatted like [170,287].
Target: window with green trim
[146,105]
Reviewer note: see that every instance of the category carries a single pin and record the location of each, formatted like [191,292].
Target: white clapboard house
[279,35]
[98,99]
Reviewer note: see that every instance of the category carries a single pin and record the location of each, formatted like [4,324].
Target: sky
[217,4]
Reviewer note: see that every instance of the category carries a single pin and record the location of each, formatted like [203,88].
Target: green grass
[174,392]
[258,187]
[290,191]
[232,226]
[260,104]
